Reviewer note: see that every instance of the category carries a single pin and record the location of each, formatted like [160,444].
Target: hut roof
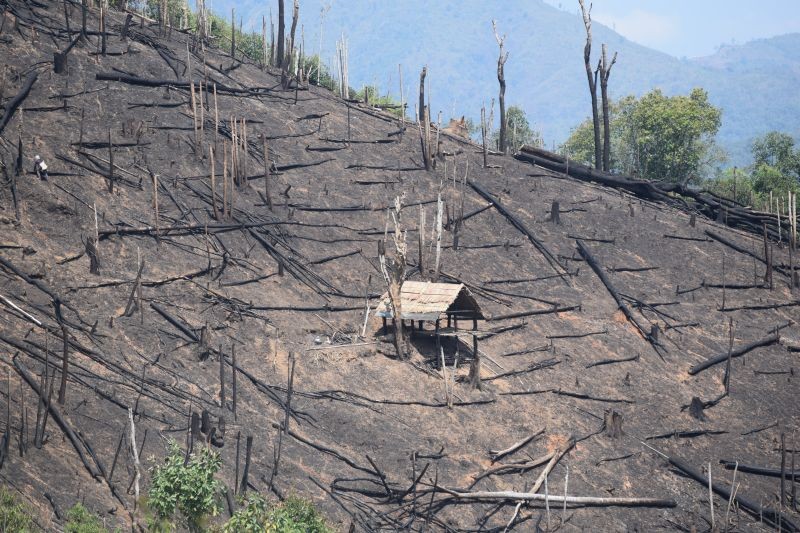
[424,300]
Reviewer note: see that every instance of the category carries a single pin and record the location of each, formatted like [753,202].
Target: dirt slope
[330,201]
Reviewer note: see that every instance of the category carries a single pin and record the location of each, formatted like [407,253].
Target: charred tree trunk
[281,32]
[590,75]
[605,72]
[424,122]
[233,34]
[501,61]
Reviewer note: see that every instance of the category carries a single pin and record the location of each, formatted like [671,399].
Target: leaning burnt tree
[605,72]
[591,76]
[501,61]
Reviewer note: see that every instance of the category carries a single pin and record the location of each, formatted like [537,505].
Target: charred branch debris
[226,255]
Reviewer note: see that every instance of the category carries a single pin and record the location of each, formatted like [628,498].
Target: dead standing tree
[288,56]
[591,76]
[605,72]
[501,78]
[394,271]
[281,31]
[425,123]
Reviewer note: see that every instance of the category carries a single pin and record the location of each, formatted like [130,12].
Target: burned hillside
[203,262]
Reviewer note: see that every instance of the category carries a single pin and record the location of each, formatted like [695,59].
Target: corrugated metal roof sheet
[424,300]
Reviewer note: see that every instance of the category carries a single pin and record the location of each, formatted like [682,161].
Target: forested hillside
[755,83]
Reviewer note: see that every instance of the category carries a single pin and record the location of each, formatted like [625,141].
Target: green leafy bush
[81,520]
[14,516]
[293,515]
[250,518]
[189,488]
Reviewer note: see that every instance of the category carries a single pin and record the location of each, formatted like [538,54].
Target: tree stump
[612,424]
[59,62]
[91,251]
[555,213]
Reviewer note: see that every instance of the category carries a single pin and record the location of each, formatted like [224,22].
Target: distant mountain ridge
[754,83]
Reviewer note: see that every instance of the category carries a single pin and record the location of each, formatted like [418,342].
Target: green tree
[767,178]
[735,185]
[188,487]
[656,137]
[776,163]
[776,149]
[519,131]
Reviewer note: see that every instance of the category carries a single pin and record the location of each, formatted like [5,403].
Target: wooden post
[483,137]
[213,183]
[155,206]
[225,179]
[267,168]
[202,120]
[233,375]
[110,163]
[216,118]
[475,367]
[767,259]
[194,115]
[246,151]
[221,378]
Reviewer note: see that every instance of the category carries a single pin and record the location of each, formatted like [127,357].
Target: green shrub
[250,518]
[81,520]
[190,488]
[14,516]
[293,515]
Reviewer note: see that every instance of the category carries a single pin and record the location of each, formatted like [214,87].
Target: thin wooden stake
[221,378]
[213,183]
[135,454]
[711,497]
[233,375]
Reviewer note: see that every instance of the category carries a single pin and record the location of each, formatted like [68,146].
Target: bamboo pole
[213,183]
[224,179]
[216,118]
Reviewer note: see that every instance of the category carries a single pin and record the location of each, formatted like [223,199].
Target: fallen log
[771,516]
[183,328]
[59,418]
[15,102]
[592,262]
[733,246]
[769,472]
[144,82]
[499,454]
[562,309]
[738,352]
[707,203]
[517,223]
[584,501]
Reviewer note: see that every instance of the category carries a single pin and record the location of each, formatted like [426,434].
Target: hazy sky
[694,28]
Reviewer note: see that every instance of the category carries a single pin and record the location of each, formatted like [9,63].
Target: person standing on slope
[40,167]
